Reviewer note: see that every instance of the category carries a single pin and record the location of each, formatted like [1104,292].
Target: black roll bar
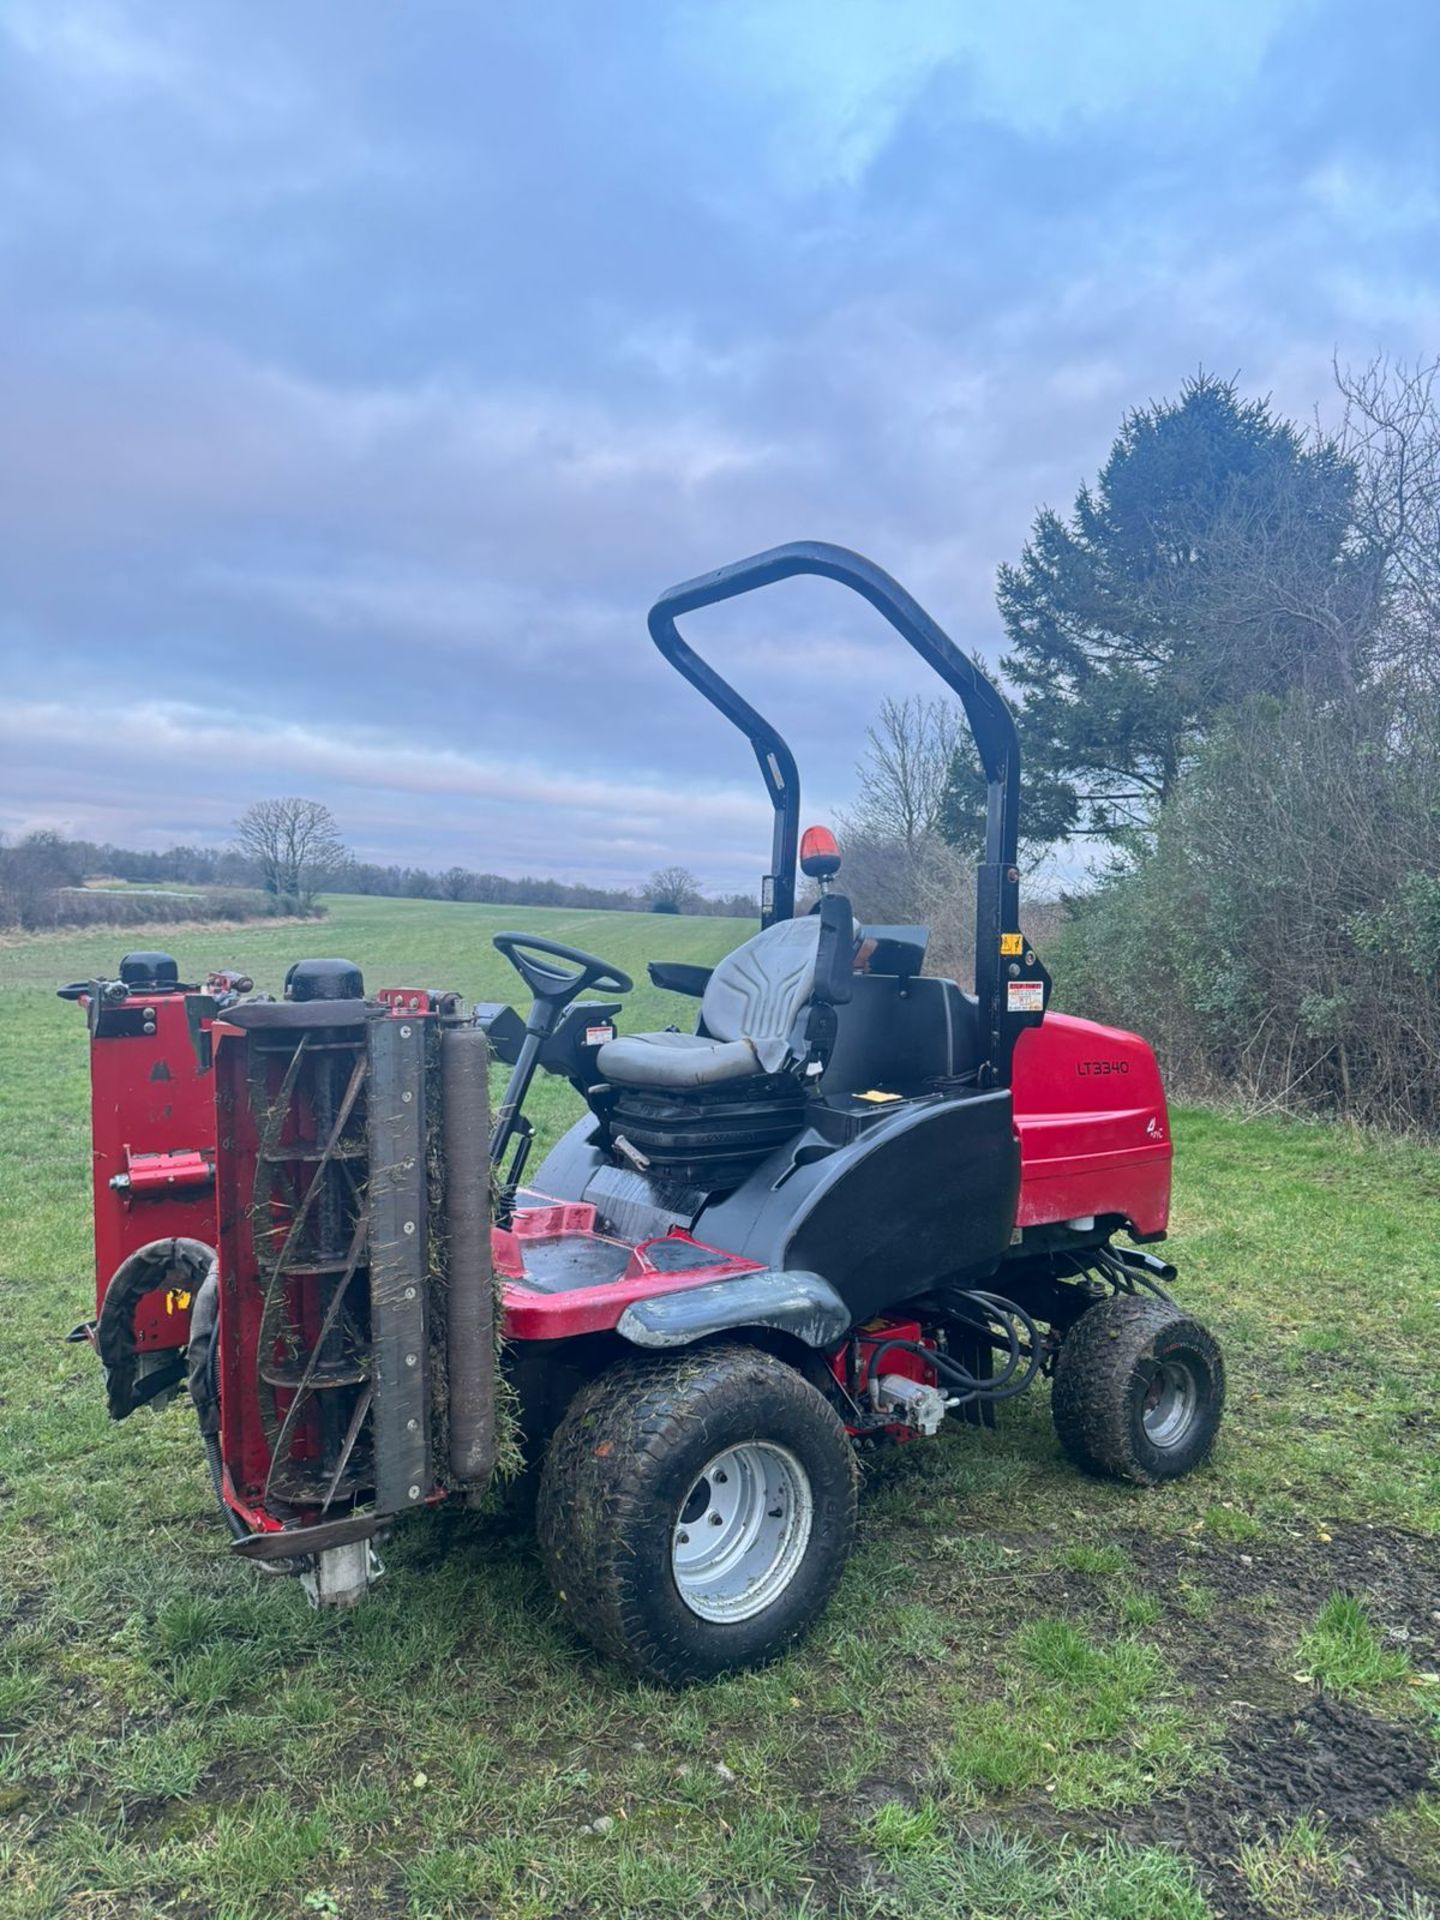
[991,724]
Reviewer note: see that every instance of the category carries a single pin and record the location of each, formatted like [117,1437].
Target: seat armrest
[835,954]
[675,976]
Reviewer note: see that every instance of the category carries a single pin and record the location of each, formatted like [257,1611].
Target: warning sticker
[597,1036]
[1025,996]
[1012,943]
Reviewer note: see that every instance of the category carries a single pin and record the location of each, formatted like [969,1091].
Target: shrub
[1281,937]
[131,907]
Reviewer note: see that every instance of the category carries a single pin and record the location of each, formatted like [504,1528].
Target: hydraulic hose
[1125,1274]
[1012,1379]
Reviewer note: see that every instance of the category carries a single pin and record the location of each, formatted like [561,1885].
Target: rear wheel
[696,1513]
[1139,1390]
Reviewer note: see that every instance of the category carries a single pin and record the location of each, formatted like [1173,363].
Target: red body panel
[152,1116]
[868,1340]
[1094,1130]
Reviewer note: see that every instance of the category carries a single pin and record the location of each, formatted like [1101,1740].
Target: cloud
[98,47]
[846,74]
[500,814]
[110,53]
[1372,200]
[368,378]
[147,421]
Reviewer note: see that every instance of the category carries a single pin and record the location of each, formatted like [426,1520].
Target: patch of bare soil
[1231,1624]
[1290,1750]
[1326,1756]
[1265,1593]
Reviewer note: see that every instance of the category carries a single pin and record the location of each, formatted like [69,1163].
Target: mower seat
[675,1060]
[748,1016]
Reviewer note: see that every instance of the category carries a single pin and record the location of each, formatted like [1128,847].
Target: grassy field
[1037,1697]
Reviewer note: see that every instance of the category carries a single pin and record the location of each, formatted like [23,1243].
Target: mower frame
[992,726]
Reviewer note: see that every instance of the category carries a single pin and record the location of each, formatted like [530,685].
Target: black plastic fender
[797,1302]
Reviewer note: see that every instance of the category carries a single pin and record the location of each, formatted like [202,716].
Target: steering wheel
[555,983]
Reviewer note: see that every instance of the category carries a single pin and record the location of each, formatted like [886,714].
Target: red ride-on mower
[854,1202]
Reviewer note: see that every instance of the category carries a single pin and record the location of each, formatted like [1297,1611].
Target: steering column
[553,988]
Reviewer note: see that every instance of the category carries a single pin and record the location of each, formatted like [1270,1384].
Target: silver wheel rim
[742,1531]
[1172,1402]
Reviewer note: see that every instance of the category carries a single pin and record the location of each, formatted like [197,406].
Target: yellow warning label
[176,1300]
[1012,943]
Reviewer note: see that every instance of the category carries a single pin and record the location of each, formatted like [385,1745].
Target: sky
[367,370]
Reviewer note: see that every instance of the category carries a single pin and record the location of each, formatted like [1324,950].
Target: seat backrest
[757,992]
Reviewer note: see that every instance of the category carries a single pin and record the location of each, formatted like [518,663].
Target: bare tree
[1391,432]
[904,772]
[671,889]
[295,844]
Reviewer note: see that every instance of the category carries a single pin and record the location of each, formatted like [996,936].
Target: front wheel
[1139,1390]
[696,1513]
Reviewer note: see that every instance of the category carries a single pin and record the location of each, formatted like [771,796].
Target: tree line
[668,890]
[285,855]
[1225,665]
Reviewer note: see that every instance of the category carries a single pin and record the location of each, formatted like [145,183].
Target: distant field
[1036,1698]
[411,943]
[447,941]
